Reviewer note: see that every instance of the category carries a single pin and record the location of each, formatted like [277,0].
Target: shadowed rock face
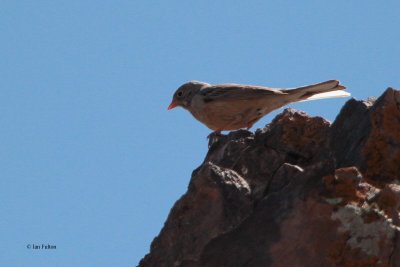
[299,192]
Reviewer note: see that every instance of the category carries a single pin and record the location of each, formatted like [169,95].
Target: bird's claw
[215,133]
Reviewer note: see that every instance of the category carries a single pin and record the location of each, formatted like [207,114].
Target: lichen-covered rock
[299,192]
[381,152]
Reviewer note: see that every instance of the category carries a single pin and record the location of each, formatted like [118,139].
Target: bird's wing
[223,92]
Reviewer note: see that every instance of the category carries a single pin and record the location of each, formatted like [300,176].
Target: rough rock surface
[299,192]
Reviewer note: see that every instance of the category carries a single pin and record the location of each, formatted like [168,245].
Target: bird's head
[183,96]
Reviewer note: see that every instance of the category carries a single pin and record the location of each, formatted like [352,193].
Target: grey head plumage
[184,94]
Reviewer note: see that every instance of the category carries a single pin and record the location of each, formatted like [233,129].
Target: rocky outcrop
[299,192]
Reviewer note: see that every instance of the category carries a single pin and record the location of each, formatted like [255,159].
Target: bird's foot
[215,133]
[213,138]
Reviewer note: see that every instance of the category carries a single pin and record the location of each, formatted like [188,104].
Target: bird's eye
[179,93]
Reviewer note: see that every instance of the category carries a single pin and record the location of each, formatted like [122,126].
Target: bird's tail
[328,89]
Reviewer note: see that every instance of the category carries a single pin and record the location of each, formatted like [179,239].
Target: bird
[227,107]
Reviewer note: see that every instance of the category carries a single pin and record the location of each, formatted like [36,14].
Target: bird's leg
[216,132]
[227,126]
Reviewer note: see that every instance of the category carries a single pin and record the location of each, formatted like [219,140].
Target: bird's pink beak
[172,105]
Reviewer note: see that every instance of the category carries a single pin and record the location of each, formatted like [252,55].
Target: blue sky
[90,159]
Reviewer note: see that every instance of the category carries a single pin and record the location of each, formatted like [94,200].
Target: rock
[299,192]
[381,153]
[217,201]
[350,131]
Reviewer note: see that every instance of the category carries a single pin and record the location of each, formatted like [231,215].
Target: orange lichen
[371,216]
[387,201]
[393,169]
[344,189]
[343,184]
[391,121]
[301,131]
[336,249]
[388,204]
[341,254]
[382,149]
